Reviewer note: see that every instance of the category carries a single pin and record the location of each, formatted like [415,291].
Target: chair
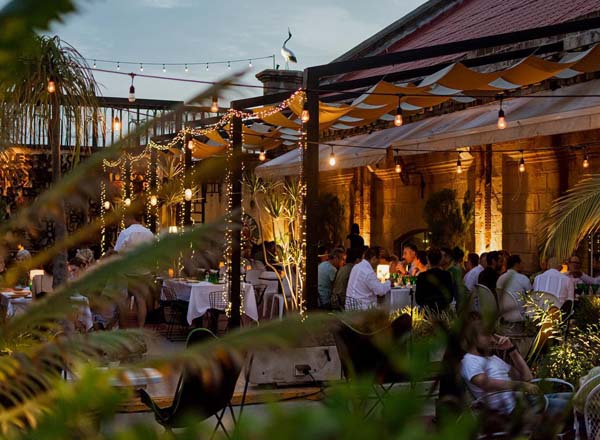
[365,355]
[544,300]
[543,336]
[591,413]
[487,305]
[218,305]
[287,291]
[199,391]
[511,310]
[259,293]
[178,310]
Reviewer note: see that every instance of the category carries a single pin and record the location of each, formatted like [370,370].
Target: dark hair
[337,253]
[473,259]
[353,254]
[411,246]
[354,229]
[422,257]
[492,256]
[458,254]
[434,256]
[374,251]
[447,251]
[78,262]
[512,261]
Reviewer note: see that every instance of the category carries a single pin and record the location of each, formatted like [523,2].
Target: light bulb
[94,64]
[522,165]
[398,120]
[153,200]
[229,64]
[118,66]
[249,64]
[207,67]
[187,194]
[262,156]
[106,205]
[164,68]
[186,68]
[501,120]
[586,161]
[332,159]
[51,86]
[305,116]
[127,201]
[458,166]
[190,144]
[214,108]
[131,96]
[141,67]
[116,124]
[398,168]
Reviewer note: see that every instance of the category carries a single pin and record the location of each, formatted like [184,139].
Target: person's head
[434,257]
[421,261]
[574,264]
[514,262]
[337,257]
[493,259]
[76,267]
[483,260]
[446,256]
[86,255]
[20,246]
[353,255]
[323,252]
[472,261]
[134,218]
[543,263]
[409,253]
[374,255]
[476,337]
[458,255]
[354,229]
[554,263]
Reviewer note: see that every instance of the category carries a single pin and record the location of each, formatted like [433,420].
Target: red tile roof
[480,18]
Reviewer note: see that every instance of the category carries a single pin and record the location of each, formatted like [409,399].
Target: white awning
[526,117]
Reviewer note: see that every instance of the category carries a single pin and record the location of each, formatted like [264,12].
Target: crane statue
[287,54]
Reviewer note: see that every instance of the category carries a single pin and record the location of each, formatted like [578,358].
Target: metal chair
[178,310]
[218,304]
[591,413]
[487,306]
[510,309]
[545,300]
[259,292]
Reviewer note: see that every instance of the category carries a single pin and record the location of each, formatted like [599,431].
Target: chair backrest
[253,275]
[543,336]
[545,300]
[591,413]
[169,293]
[217,300]
[41,283]
[486,300]
[510,309]
[201,392]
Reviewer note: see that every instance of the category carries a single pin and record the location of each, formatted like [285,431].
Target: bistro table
[398,298]
[197,293]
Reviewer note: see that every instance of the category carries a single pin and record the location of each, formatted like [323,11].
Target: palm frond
[570,218]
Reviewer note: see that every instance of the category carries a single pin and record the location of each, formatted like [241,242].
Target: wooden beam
[235,167]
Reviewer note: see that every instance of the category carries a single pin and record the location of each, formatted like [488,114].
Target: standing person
[554,282]
[455,270]
[327,271]
[474,268]
[513,280]
[434,287]
[355,241]
[489,276]
[340,284]
[137,282]
[409,256]
[363,285]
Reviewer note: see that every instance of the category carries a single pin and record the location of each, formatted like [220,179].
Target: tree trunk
[59,270]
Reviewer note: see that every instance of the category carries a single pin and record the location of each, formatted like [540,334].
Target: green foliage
[587,311]
[446,219]
[331,225]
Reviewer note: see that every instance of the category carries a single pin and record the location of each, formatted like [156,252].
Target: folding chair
[199,391]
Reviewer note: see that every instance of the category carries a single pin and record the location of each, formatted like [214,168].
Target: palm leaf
[571,218]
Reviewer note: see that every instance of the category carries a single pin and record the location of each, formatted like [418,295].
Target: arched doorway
[419,237]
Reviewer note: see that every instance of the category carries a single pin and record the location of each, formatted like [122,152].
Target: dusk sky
[188,31]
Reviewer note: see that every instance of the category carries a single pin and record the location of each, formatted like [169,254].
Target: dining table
[197,293]
[398,298]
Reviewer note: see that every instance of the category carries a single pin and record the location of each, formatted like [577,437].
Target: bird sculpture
[287,54]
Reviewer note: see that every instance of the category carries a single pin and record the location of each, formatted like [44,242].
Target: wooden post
[187,204]
[153,218]
[234,165]
[310,166]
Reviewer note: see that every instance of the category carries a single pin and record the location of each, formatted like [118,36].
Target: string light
[522,163]
[153,200]
[305,116]
[118,66]
[116,124]
[249,64]
[586,161]
[398,168]
[106,205]
[187,194]
[262,156]
[190,144]
[186,68]
[127,201]
[141,67]
[207,67]
[214,108]
[229,65]
[458,165]
[398,118]
[164,68]
[332,160]
[131,96]
[501,117]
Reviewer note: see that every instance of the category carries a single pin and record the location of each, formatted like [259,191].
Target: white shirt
[494,368]
[583,279]
[472,277]
[556,283]
[513,281]
[133,236]
[364,286]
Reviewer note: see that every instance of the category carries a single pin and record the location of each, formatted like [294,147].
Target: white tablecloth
[398,298]
[16,305]
[198,296]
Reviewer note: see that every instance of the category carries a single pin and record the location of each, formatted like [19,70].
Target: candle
[221,265]
[171,273]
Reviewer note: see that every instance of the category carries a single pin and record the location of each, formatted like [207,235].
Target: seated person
[484,372]
[421,262]
[434,287]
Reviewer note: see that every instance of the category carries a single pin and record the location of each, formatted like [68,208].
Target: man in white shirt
[474,268]
[409,257]
[137,283]
[576,274]
[513,280]
[363,285]
[554,282]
